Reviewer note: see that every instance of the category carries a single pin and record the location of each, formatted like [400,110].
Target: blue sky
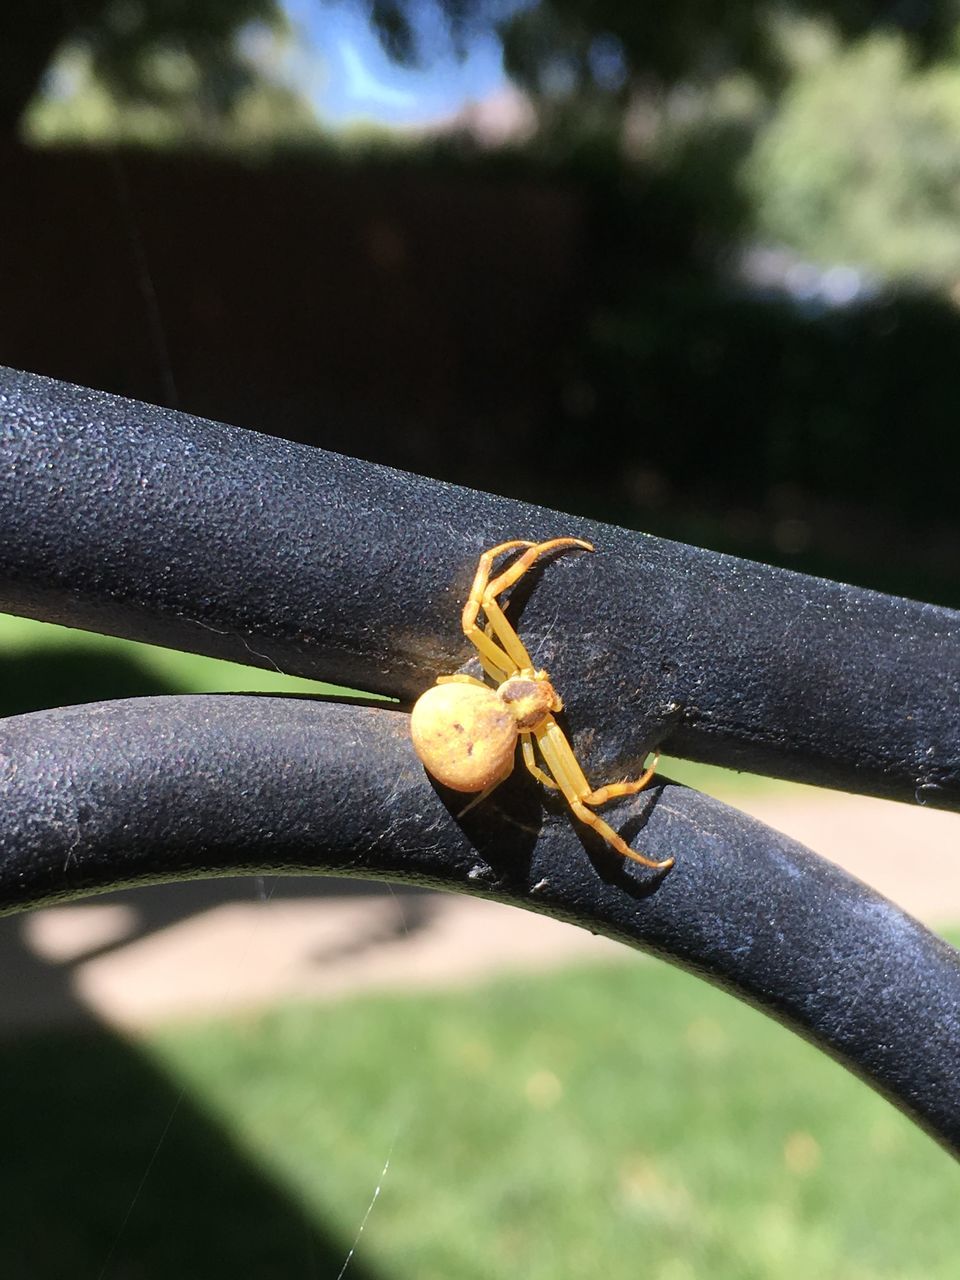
[353,79]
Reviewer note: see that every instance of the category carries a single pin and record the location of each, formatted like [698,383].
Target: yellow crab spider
[465,732]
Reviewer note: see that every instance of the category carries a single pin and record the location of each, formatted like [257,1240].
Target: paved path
[183,950]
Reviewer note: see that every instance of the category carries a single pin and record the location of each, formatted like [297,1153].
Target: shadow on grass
[111,1171]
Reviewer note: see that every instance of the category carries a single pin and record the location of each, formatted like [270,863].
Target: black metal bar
[169,788]
[147,523]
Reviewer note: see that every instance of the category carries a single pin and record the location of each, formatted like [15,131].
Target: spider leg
[497,663]
[482,576]
[484,593]
[558,754]
[526,746]
[520,566]
[511,642]
[496,673]
[485,645]
[487,791]
[603,794]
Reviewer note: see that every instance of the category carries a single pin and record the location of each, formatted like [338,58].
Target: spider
[465,732]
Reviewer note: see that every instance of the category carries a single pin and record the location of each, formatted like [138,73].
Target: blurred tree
[576,47]
[559,49]
[80,106]
[132,46]
[883,190]
[732,112]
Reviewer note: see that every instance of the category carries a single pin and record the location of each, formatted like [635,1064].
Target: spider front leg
[558,754]
[613,789]
[496,661]
[483,596]
[498,672]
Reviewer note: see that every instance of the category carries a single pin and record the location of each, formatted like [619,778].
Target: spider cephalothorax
[465,731]
[530,698]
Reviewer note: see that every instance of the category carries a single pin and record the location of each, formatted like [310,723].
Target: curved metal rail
[154,789]
[147,523]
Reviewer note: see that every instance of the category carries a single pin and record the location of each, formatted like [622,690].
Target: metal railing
[146,523]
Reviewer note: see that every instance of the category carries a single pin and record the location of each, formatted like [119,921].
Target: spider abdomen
[464,735]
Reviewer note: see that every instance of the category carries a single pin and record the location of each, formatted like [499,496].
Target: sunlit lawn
[615,1121]
[609,1122]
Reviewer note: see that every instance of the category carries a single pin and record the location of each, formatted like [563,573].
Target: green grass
[609,1122]
[726,784]
[615,1121]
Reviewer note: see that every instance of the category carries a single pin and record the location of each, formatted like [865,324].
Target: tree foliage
[861,162]
[850,152]
[687,39]
[124,40]
[568,47]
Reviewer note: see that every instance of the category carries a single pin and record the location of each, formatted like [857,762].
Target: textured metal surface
[158,788]
[148,523]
